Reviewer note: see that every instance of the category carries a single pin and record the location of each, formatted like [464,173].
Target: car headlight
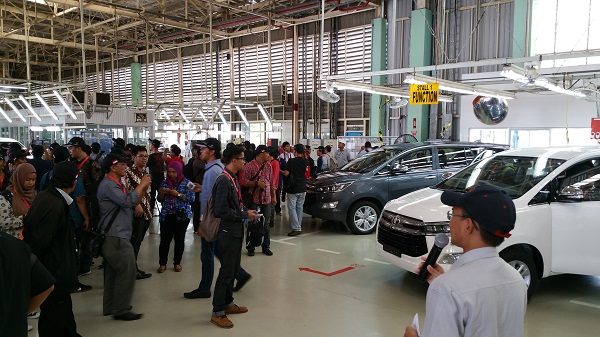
[333,188]
[437,227]
[329,205]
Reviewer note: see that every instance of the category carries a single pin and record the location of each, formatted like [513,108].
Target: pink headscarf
[178,167]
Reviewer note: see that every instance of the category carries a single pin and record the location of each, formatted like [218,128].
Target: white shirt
[481,295]
[286,156]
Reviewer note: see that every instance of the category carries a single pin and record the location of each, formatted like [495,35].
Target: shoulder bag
[97,239]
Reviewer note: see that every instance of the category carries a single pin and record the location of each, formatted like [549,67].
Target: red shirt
[170,160]
[275,169]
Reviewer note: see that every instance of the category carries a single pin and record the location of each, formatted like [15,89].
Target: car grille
[402,234]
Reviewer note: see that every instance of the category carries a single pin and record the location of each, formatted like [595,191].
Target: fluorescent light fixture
[4,91]
[379,89]
[5,115]
[36,128]
[520,75]
[460,88]
[39,97]
[12,106]
[183,115]
[265,116]
[53,128]
[11,86]
[164,112]
[64,104]
[223,119]
[239,110]
[29,107]
[202,115]
[155,122]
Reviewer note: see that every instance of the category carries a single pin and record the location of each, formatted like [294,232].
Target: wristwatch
[179,195]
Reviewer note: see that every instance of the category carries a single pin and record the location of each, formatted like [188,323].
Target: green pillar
[136,84]
[522,17]
[378,62]
[419,55]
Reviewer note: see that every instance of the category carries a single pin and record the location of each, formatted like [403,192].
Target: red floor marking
[327,274]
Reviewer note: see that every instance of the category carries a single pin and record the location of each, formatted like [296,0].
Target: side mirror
[447,175]
[570,194]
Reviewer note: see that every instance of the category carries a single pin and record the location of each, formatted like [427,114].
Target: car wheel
[362,218]
[522,261]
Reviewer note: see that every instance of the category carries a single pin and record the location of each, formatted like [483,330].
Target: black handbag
[97,239]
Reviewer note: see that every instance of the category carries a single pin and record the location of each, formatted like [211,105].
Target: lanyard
[83,163]
[236,188]
[118,183]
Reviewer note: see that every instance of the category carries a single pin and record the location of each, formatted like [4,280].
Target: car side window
[585,176]
[417,160]
[455,157]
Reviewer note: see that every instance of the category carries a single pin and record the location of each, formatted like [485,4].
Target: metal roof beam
[67,44]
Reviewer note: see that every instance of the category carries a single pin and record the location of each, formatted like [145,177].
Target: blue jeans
[229,252]
[295,209]
[207,257]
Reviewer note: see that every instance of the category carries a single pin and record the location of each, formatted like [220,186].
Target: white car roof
[566,152]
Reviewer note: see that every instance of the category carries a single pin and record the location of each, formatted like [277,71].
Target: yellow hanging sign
[424,93]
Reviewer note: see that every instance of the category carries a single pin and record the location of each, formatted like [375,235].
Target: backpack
[256,231]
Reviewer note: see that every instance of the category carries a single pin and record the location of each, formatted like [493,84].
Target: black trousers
[196,211]
[140,227]
[56,317]
[172,229]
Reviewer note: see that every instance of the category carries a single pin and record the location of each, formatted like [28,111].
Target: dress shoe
[81,288]
[221,321]
[128,316]
[294,233]
[110,313]
[267,252]
[161,269]
[196,293]
[250,253]
[241,282]
[142,275]
[235,309]
[177,268]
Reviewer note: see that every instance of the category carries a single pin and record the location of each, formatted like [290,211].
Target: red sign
[414,123]
[595,128]
[327,274]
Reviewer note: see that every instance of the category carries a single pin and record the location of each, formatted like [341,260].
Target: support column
[136,84]
[521,31]
[378,62]
[420,55]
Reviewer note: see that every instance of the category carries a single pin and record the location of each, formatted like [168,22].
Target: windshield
[515,175]
[370,161]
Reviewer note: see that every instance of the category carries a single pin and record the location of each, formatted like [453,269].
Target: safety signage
[424,93]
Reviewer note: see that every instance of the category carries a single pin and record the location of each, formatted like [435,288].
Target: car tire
[362,218]
[523,262]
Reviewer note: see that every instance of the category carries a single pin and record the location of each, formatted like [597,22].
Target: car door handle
[430,177]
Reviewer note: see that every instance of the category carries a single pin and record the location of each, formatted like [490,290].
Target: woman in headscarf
[175,215]
[16,199]
[4,174]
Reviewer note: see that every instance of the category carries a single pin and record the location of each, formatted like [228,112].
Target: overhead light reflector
[5,115]
[39,97]
[53,128]
[64,104]
[239,110]
[36,128]
[520,75]
[12,106]
[266,117]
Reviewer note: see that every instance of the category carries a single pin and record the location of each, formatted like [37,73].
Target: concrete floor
[371,299]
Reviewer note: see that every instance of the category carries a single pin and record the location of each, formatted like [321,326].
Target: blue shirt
[213,171]
[171,205]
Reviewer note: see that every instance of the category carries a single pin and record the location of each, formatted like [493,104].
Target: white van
[556,192]
[5,143]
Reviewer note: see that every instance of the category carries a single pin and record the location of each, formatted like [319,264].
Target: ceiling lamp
[3,113]
[266,117]
[241,113]
[460,88]
[64,104]
[378,89]
[39,97]
[520,75]
[12,106]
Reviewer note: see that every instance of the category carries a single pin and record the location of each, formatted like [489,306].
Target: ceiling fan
[328,95]
[531,80]
[591,92]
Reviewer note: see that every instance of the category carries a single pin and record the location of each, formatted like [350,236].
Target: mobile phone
[190,185]
[38,142]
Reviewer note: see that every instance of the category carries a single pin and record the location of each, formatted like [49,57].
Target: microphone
[441,241]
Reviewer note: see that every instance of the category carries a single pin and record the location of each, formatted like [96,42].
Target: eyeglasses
[450,215]
[241,158]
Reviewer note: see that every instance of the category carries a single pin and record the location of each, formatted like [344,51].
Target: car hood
[333,177]
[424,205]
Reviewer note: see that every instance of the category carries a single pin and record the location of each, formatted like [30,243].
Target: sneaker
[235,309]
[250,253]
[241,282]
[267,252]
[221,321]
[294,233]
[84,272]
[34,314]
[196,293]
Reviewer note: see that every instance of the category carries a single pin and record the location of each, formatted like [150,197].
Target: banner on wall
[595,128]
